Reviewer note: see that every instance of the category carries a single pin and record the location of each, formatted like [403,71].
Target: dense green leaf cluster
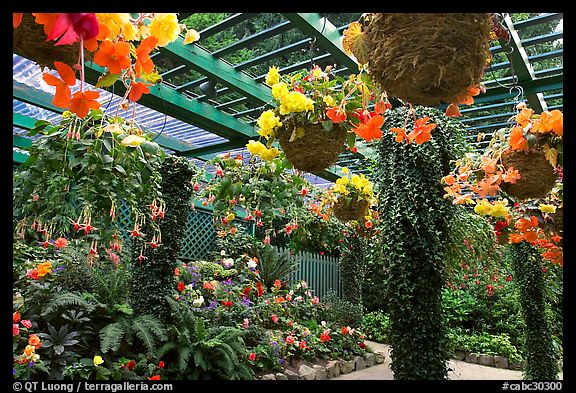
[153,278]
[540,353]
[415,225]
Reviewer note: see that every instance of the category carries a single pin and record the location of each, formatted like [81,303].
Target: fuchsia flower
[15,330]
[26,323]
[70,27]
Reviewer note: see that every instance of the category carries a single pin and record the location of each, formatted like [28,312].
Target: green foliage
[205,352]
[353,269]
[274,265]
[153,278]
[148,329]
[235,246]
[340,311]
[459,307]
[484,344]
[67,177]
[59,346]
[415,218]
[376,325]
[539,350]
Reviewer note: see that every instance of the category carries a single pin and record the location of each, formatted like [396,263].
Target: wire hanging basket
[538,176]
[346,209]
[428,58]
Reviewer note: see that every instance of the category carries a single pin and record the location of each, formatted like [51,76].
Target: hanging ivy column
[541,358]
[414,218]
[153,278]
[352,270]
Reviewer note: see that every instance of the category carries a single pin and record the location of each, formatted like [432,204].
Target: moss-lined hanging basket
[538,176]
[29,40]
[317,150]
[351,209]
[428,58]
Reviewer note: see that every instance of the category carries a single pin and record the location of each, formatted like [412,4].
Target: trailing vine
[153,274]
[415,222]
[541,357]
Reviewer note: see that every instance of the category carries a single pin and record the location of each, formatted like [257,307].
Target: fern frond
[147,328]
[183,358]
[111,336]
[65,300]
[165,349]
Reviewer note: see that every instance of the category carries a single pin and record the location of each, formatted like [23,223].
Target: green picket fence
[321,272]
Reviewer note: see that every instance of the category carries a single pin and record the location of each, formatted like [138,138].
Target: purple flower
[13,371]
[31,364]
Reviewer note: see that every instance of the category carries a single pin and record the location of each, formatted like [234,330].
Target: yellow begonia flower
[345,170]
[231,217]
[296,102]
[270,154]
[98,360]
[547,208]
[44,268]
[342,180]
[191,36]
[279,90]
[165,27]
[273,76]
[132,141]
[329,101]
[255,147]
[483,207]
[268,121]
[499,209]
[118,24]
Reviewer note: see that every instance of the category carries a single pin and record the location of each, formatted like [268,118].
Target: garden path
[459,370]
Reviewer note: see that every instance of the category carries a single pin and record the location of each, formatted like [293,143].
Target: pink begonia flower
[70,27]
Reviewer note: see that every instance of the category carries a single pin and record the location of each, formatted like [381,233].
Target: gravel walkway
[459,370]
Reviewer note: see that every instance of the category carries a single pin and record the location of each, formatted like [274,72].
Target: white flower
[291,292]
[198,302]
[304,285]
[222,253]
[299,298]
[323,323]
[252,264]
[228,263]
[189,287]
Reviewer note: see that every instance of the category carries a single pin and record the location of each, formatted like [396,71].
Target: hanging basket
[29,40]
[557,218]
[538,176]
[352,210]
[317,150]
[428,58]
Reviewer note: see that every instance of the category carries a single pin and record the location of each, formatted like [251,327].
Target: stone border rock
[332,369]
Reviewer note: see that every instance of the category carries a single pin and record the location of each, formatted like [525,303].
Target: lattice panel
[199,236]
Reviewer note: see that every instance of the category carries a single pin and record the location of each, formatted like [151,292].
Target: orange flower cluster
[467,98]
[528,123]
[420,133]
[529,231]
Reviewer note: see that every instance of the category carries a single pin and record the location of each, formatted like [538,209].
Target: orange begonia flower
[400,134]
[46,19]
[372,129]
[488,165]
[453,190]
[523,118]
[511,175]
[143,60]
[531,236]
[524,224]
[92,43]
[449,179]
[452,110]
[115,56]
[17,19]
[487,186]
[137,89]
[337,115]
[464,198]
[550,121]
[82,102]
[62,96]
[516,139]
[421,132]
[516,238]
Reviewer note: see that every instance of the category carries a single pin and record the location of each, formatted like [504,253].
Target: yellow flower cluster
[358,184]
[44,268]
[547,208]
[295,102]
[258,149]
[279,90]
[273,76]
[118,24]
[268,123]
[496,209]
[165,27]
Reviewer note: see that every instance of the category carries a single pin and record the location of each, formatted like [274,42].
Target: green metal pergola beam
[18,157]
[166,100]
[538,20]
[216,69]
[520,63]
[531,87]
[328,36]
[202,152]
[42,99]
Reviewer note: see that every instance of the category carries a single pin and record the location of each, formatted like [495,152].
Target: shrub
[376,326]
